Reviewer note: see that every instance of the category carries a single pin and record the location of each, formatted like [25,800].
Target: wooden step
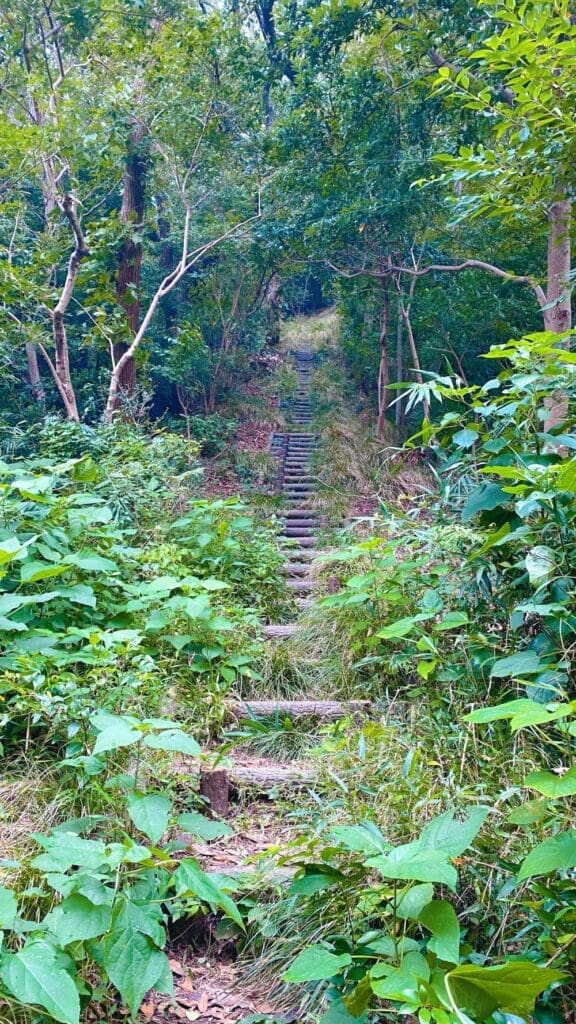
[295,568]
[300,586]
[280,632]
[330,709]
[268,777]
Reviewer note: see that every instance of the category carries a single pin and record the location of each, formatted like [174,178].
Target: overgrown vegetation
[190,193]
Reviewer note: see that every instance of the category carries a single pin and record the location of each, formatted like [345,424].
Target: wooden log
[279,632]
[270,776]
[330,709]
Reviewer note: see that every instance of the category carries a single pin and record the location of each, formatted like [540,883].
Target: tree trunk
[399,369]
[405,310]
[130,257]
[273,310]
[36,386]
[169,303]
[60,368]
[559,317]
[383,368]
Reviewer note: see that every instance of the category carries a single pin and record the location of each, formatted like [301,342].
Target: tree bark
[60,368]
[558,317]
[273,310]
[36,386]
[405,313]
[383,368]
[130,257]
[399,369]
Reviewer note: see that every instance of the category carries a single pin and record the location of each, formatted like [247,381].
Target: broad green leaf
[147,918]
[316,878]
[316,964]
[551,785]
[360,838]
[485,498]
[77,919]
[10,549]
[451,835]
[196,607]
[412,862]
[465,438]
[10,626]
[400,628]
[511,709]
[189,878]
[92,562]
[566,478]
[529,813]
[517,665]
[211,583]
[119,734]
[133,964]
[398,983]
[540,564]
[439,917]
[175,740]
[452,620]
[66,849]
[31,572]
[413,901]
[158,619]
[80,593]
[34,977]
[150,814]
[360,998]
[339,1014]
[555,854]
[8,908]
[203,827]
[511,988]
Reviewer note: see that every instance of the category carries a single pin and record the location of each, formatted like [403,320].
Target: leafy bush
[91,617]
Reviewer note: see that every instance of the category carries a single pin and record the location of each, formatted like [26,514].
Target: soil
[205,990]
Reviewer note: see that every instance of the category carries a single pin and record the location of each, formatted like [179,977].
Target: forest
[288,512]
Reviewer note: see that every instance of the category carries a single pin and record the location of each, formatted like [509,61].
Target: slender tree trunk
[169,304]
[383,368]
[399,369]
[36,386]
[558,317]
[405,313]
[60,368]
[273,310]
[130,257]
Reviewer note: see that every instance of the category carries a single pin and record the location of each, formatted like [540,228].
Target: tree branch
[186,261]
[490,268]
[504,92]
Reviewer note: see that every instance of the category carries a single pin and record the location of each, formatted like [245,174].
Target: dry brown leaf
[203,1002]
[176,967]
[147,1010]
[187,998]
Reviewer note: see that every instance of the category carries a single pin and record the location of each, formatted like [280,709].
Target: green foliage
[403,946]
[91,613]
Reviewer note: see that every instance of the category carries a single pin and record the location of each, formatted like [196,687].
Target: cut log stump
[215,788]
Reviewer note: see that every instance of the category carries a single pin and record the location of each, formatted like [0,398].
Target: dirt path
[209,986]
